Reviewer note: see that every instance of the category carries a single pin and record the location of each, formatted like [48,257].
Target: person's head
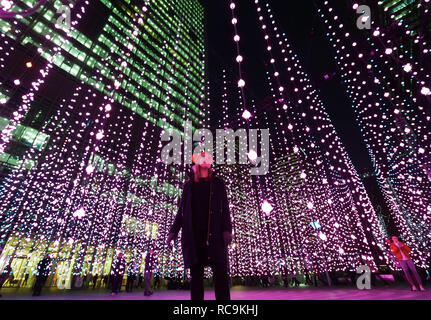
[202,167]
[395,239]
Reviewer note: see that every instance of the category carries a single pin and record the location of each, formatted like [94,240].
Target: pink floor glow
[237,293]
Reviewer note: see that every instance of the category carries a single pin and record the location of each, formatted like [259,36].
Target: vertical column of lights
[377,231]
[166,200]
[247,115]
[358,190]
[282,140]
[18,116]
[190,66]
[393,134]
[135,219]
[88,202]
[304,215]
[78,211]
[28,98]
[318,198]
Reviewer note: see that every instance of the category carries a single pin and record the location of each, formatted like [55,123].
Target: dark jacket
[118,267]
[220,222]
[44,267]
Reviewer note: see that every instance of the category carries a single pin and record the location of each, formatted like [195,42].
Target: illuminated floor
[393,292]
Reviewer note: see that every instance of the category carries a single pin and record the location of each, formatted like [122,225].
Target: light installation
[82,112]
[312,181]
[386,78]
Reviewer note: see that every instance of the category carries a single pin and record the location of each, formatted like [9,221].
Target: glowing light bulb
[246,114]
[79,214]
[241,83]
[252,155]
[425,91]
[407,67]
[89,169]
[267,207]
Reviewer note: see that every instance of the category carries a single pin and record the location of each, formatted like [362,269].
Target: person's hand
[227,238]
[171,237]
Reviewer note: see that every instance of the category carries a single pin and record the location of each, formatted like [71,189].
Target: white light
[3,100]
[79,213]
[388,51]
[89,169]
[407,67]
[425,91]
[108,108]
[234,21]
[17,82]
[310,205]
[232,5]
[252,155]
[99,135]
[267,207]
[303,175]
[322,236]
[421,150]
[239,59]
[241,83]
[6,4]
[246,114]
[236,38]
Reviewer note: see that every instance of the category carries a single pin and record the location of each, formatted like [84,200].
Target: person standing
[402,253]
[95,277]
[43,270]
[5,275]
[204,217]
[131,275]
[149,266]
[117,273]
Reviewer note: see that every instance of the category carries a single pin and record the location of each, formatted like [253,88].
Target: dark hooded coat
[220,221]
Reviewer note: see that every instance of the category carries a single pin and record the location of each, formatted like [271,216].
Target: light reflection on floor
[237,293]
